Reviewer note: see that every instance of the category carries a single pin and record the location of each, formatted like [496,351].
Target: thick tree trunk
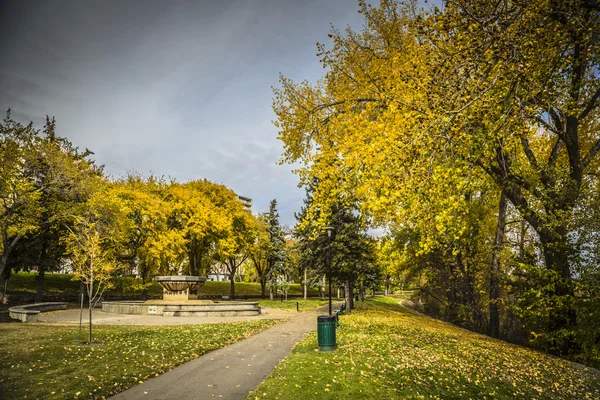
[193,266]
[4,274]
[7,247]
[522,240]
[494,328]
[232,286]
[556,258]
[263,288]
[349,295]
[3,283]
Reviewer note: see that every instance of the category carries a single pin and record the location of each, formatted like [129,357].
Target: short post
[298,306]
[80,318]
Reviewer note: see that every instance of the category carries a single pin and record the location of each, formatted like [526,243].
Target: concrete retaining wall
[182,309]
[29,312]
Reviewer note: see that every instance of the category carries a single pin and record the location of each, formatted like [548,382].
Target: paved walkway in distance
[231,372]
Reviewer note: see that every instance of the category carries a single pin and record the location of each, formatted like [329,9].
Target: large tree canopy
[422,116]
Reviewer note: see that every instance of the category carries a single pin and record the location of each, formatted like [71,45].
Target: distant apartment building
[247,202]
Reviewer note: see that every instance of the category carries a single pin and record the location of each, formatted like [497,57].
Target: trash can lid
[326,318]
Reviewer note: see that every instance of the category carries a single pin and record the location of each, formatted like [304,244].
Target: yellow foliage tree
[93,244]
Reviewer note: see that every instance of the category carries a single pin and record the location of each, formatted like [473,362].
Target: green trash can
[326,326]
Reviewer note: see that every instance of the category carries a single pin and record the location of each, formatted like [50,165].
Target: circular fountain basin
[181,300]
[180,283]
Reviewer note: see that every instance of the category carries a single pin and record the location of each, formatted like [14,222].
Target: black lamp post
[329,229]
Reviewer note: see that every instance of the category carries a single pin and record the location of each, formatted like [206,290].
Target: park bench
[29,312]
[339,312]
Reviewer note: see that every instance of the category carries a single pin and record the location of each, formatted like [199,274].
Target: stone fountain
[180,299]
[183,287]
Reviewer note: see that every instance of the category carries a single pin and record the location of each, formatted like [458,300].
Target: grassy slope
[59,284]
[44,361]
[387,351]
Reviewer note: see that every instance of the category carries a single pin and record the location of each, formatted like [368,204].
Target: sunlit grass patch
[386,352]
[44,361]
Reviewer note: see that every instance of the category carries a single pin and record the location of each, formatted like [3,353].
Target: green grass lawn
[40,361]
[290,305]
[25,283]
[386,351]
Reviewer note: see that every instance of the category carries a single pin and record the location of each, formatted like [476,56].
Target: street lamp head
[329,229]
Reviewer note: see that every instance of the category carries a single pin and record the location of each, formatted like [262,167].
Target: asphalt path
[231,372]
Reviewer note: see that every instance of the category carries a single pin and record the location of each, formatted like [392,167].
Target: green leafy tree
[64,179]
[42,178]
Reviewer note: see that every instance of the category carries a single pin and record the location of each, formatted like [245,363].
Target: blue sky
[178,89]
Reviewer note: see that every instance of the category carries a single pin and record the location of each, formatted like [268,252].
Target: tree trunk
[232,285]
[304,286]
[494,328]
[263,287]
[90,333]
[4,274]
[90,305]
[193,266]
[3,283]
[40,284]
[556,259]
[41,271]
[349,295]
[386,287]
[7,247]
[522,240]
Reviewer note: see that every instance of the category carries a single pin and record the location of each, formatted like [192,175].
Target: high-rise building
[247,202]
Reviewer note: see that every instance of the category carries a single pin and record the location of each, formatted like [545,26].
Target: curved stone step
[209,313]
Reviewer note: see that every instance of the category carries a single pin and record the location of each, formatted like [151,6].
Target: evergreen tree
[350,248]
[276,254]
